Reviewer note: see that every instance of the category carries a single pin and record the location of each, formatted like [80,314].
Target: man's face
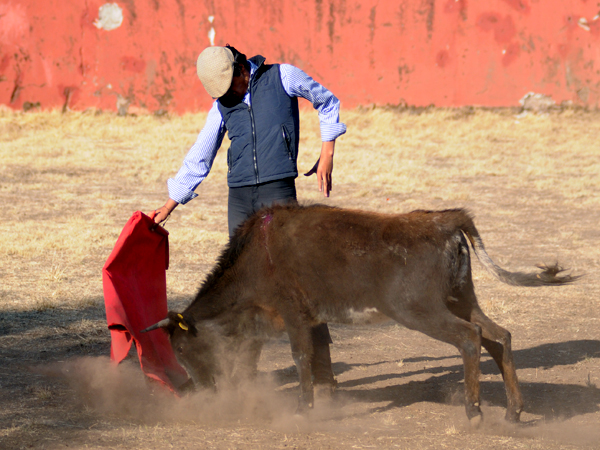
[237,90]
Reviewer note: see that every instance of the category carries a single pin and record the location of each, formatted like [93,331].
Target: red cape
[135,297]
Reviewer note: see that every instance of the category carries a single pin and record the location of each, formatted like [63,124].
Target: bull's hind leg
[497,341]
[466,337]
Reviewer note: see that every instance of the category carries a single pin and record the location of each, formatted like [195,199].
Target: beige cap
[215,70]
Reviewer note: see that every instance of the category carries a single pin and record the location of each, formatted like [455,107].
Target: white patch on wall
[537,102]
[211,32]
[110,16]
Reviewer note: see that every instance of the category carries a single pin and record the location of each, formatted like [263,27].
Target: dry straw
[69,182]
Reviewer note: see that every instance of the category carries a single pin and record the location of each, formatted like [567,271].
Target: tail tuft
[550,274]
[548,277]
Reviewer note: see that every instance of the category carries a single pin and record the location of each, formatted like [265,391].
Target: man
[258,105]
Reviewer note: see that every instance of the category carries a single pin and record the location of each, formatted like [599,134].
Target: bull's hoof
[324,392]
[476,421]
[303,410]
[305,404]
[474,415]
[513,416]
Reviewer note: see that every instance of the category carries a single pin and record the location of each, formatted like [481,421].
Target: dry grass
[68,184]
[68,180]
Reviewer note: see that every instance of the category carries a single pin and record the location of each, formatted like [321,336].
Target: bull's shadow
[551,400]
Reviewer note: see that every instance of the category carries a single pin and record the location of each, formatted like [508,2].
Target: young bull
[290,268]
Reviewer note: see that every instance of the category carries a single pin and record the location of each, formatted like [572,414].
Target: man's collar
[253,68]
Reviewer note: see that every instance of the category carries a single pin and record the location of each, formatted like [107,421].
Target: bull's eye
[180,350]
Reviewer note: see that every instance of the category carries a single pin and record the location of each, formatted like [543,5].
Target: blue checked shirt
[200,158]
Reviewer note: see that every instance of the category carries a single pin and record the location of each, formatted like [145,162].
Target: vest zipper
[253,126]
[254,143]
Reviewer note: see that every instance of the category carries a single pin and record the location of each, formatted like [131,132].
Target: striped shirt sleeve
[199,160]
[297,83]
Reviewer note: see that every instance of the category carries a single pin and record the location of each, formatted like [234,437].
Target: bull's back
[344,260]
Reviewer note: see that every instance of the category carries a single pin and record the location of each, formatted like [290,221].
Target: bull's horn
[162,324]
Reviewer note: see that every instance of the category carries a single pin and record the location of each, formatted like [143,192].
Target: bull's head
[196,346]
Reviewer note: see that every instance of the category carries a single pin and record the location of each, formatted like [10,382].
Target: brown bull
[294,267]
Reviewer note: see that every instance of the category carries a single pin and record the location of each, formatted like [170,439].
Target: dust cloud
[124,391]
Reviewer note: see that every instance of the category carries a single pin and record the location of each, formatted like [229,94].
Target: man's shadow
[551,400]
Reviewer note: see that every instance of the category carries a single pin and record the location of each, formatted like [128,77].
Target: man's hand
[163,212]
[326,168]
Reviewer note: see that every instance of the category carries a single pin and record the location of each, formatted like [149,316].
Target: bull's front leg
[301,343]
[246,361]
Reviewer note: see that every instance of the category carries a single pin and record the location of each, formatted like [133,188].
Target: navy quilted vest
[264,137]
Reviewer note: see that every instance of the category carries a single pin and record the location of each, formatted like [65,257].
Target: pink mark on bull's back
[264,228]
[267,219]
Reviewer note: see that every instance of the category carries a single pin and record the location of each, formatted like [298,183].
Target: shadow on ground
[31,337]
[551,400]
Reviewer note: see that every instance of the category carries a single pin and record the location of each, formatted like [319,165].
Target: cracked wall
[128,54]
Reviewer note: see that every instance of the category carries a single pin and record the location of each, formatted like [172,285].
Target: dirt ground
[397,388]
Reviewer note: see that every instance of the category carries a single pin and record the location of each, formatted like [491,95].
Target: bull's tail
[549,276]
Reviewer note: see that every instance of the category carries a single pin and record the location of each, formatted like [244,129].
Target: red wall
[421,52]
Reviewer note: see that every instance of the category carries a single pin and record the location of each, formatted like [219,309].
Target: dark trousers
[246,200]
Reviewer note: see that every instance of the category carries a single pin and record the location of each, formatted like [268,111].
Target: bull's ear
[177,320]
